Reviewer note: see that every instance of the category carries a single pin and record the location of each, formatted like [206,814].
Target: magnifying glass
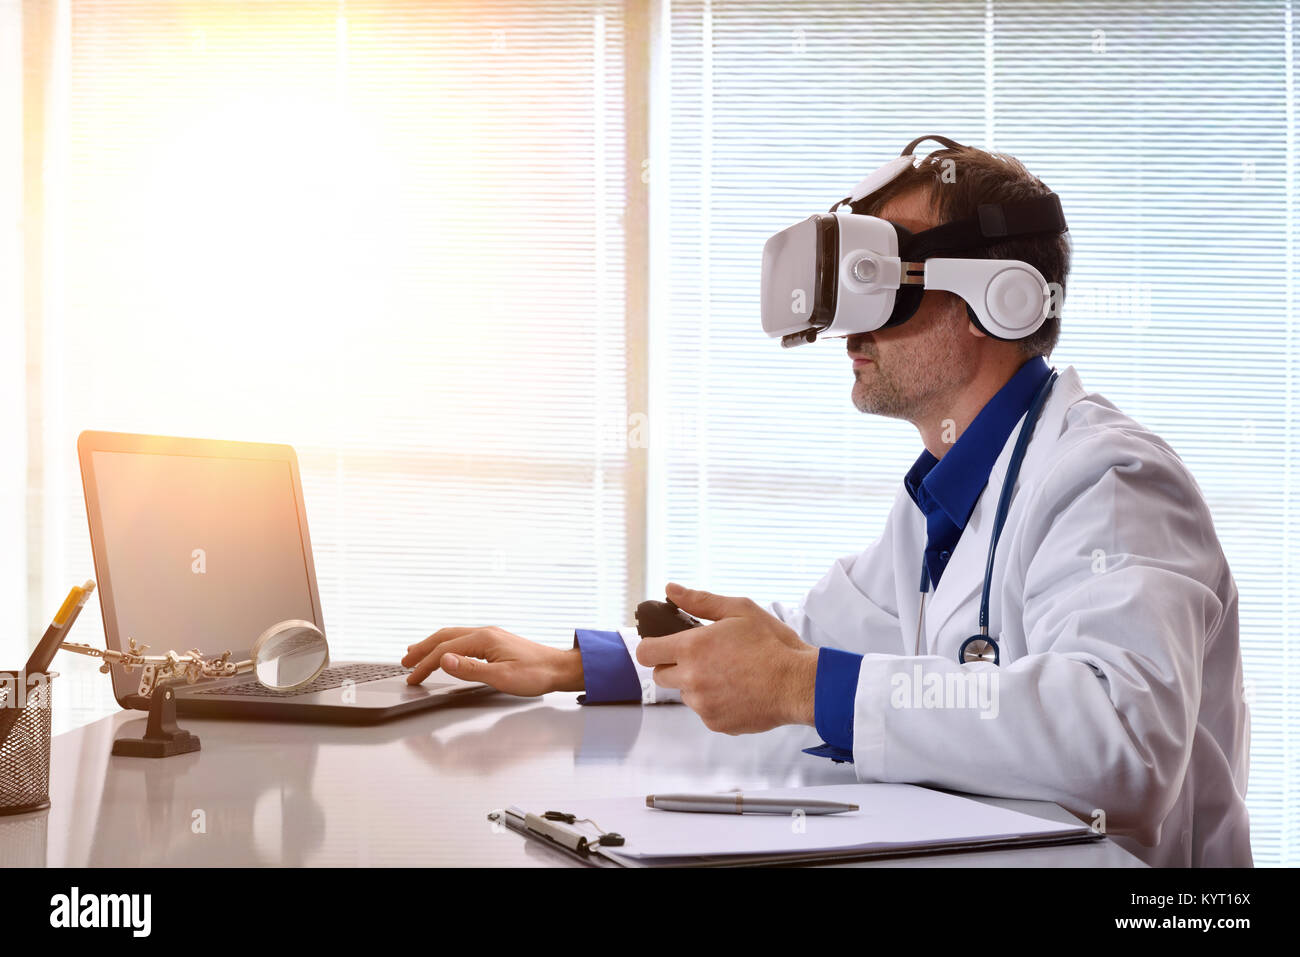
[289,655]
[285,657]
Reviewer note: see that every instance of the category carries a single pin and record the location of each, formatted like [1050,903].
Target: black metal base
[182,743]
[162,738]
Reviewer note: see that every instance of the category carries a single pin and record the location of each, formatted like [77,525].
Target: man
[1119,692]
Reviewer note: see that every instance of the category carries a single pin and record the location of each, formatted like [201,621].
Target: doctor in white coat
[1119,693]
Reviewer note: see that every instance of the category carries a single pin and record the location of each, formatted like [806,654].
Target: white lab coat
[1120,692]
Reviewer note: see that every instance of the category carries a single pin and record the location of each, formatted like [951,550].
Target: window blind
[389,234]
[1168,129]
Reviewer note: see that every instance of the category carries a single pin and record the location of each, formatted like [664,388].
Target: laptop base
[367,702]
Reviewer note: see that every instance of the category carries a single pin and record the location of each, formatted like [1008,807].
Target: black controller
[654,619]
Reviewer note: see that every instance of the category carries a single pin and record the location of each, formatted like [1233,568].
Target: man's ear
[973,329]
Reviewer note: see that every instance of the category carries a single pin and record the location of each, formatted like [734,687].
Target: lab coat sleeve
[1120,565]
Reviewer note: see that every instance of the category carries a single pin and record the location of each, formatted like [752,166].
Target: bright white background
[394,236]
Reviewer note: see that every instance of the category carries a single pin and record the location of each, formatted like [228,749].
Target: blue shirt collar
[954,483]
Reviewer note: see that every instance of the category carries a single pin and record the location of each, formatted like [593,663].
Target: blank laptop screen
[201,552]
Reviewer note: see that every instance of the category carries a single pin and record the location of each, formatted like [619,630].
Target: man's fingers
[421,648]
[477,644]
[668,676]
[474,669]
[705,604]
[662,650]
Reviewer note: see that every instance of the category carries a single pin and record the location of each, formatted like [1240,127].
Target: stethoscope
[983,647]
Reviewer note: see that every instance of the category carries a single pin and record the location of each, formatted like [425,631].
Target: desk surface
[415,791]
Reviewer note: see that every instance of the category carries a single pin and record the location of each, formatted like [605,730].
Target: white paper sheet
[891,817]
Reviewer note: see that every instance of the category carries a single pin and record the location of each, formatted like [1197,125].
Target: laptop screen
[200,552]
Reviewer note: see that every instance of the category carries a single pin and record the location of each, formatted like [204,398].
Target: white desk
[410,792]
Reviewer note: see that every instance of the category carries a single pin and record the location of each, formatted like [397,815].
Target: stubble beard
[910,388]
[877,394]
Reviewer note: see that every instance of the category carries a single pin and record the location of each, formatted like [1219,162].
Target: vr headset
[841,273]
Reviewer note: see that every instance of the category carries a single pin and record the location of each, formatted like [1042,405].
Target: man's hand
[748,671]
[496,657]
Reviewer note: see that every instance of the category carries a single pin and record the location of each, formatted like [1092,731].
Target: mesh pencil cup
[25,750]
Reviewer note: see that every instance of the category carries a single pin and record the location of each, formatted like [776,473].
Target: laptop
[203,544]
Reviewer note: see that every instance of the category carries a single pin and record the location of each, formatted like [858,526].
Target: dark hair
[960,180]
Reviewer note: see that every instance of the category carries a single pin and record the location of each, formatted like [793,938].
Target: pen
[43,654]
[739,804]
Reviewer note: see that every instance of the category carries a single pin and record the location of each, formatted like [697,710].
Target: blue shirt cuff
[608,674]
[833,700]
[838,755]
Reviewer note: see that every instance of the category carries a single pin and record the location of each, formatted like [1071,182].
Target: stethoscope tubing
[999,520]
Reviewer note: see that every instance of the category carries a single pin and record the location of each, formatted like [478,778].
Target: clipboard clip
[552,826]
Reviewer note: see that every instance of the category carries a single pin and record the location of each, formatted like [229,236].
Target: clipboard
[583,840]
[565,838]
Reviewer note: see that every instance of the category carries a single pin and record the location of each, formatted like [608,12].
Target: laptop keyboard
[326,680]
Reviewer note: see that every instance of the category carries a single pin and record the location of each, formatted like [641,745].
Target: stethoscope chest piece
[978,648]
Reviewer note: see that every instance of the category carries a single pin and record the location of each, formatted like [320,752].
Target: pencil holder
[25,750]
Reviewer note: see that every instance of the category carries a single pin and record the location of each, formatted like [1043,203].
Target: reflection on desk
[412,792]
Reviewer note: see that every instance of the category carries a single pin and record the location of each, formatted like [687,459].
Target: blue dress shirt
[945,490]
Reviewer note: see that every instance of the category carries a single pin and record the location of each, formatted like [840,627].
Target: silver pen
[739,804]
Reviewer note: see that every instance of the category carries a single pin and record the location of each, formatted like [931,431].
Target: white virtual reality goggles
[841,273]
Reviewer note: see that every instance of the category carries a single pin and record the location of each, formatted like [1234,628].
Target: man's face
[907,371]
